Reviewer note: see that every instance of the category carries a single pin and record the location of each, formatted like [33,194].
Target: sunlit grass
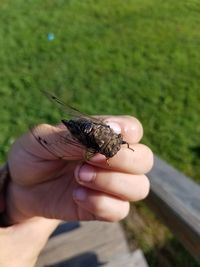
[106,57]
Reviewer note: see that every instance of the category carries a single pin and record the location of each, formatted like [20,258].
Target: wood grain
[176,200]
[92,243]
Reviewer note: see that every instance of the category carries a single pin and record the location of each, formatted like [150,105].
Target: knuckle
[110,181]
[146,188]
[150,159]
[125,211]
[122,213]
[138,128]
[118,214]
[111,212]
[141,189]
[99,207]
[147,154]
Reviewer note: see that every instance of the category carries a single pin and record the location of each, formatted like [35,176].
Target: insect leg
[128,146]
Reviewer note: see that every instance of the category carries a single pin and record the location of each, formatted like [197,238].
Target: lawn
[106,57]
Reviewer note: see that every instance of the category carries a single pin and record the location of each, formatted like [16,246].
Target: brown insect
[84,131]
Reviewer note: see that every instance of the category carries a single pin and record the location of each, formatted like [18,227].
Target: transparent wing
[60,143]
[71,111]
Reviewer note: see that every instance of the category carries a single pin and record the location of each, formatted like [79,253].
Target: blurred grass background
[109,57]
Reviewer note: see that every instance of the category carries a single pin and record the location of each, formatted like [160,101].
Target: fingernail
[115,126]
[80,194]
[85,173]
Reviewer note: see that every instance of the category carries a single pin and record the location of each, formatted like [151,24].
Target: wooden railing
[176,200]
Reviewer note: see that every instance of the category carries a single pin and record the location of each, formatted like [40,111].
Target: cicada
[91,134]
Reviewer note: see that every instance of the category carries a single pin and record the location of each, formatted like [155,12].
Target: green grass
[108,57]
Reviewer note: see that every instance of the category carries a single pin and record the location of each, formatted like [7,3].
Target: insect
[83,131]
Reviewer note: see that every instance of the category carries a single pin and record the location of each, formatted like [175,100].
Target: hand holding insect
[67,189]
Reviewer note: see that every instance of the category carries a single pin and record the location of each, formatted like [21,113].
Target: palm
[42,185]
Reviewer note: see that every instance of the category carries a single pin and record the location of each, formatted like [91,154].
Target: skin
[44,190]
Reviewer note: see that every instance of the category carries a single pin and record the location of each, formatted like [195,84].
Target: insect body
[97,137]
[83,132]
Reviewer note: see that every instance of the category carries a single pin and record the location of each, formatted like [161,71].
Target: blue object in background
[50,36]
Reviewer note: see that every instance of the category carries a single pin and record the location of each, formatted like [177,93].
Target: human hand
[42,185]
[22,243]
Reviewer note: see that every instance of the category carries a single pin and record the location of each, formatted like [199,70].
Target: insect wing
[71,111]
[58,142]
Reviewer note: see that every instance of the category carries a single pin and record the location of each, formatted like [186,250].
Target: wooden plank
[134,259]
[92,243]
[176,200]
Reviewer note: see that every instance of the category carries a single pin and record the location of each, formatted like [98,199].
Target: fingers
[122,185]
[106,191]
[139,161]
[131,128]
[99,206]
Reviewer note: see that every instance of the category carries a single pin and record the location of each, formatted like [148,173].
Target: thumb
[41,153]
[54,143]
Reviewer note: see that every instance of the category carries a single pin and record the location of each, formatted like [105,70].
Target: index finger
[131,128]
